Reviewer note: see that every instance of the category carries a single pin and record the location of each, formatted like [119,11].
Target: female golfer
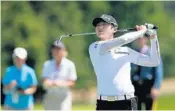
[111,62]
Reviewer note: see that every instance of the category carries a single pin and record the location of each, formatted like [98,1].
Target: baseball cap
[58,44]
[20,53]
[105,18]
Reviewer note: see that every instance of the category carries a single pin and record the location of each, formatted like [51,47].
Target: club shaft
[82,34]
[93,33]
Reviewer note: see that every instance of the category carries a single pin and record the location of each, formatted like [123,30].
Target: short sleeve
[72,72]
[33,78]
[6,79]
[45,71]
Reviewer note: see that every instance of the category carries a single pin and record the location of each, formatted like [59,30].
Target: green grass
[83,107]
[166,102]
[74,107]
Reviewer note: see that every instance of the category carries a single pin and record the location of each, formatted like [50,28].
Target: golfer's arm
[66,83]
[151,60]
[122,40]
[30,90]
[44,80]
[6,89]
[69,83]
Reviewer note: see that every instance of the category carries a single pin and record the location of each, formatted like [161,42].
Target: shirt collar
[62,61]
[21,67]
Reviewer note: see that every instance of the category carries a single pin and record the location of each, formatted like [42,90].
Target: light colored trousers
[6,107]
[58,99]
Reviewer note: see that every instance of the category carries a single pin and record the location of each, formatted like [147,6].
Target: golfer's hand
[141,27]
[60,83]
[12,85]
[21,91]
[65,83]
[48,83]
[151,33]
[154,93]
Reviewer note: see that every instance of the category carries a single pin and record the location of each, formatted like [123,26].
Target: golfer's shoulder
[95,45]
[10,68]
[48,63]
[9,72]
[68,62]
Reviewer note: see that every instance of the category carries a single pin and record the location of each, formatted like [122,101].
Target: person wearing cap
[146,80]
[59,74]
[111,62]
[20,83]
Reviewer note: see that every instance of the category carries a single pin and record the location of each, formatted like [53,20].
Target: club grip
[134,29]
[155,27]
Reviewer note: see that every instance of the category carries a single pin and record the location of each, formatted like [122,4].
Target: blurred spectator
[58,75]
[146,80]
[19,82]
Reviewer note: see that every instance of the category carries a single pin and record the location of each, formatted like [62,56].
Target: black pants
[130,104]
[143,93]
[146,100]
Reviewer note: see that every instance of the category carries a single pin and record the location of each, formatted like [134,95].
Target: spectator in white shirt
[59,74]
[111,62]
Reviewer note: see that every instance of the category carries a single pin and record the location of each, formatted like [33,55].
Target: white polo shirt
[65,71]
[111,63]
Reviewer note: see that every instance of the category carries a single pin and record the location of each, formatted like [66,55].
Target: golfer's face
[104,30]
[57,53]
[18,62]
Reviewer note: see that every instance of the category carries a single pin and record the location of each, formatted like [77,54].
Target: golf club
[93,33]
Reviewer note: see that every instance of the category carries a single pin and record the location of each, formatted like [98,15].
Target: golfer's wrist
[154,38]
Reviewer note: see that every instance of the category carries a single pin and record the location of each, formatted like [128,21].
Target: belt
[115,98]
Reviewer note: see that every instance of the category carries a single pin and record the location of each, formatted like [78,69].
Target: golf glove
[150,31]
[149,26]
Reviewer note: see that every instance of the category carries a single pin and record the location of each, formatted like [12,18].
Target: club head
[77,34]
[62,36]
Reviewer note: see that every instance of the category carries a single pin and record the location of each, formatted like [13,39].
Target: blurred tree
[36,25]
[21,27]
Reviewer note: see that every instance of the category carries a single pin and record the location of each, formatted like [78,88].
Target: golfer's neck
[19,65]
[107,38]
[58,62]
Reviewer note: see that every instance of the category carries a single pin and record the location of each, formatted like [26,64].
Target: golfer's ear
[65,53]
[115,29]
